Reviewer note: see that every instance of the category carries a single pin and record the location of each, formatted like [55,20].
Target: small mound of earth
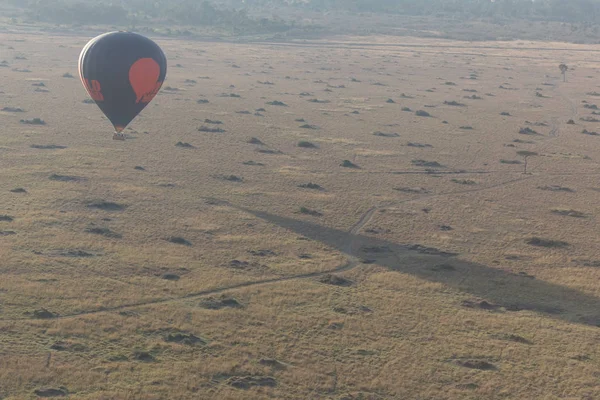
[247,382]
[335,280]
[213,303]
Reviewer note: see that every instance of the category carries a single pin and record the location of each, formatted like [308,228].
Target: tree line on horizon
[250,13]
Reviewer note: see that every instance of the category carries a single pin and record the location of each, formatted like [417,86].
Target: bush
[454,103]
[308,211]
[277,103]
[424,163]
[464,181]
[307,145]
[568,213]
[527,131]
[539,242]
[591,133]
[313,186]
[211,130]
[34,121]
[348,164]
[513,162]
[421,113]
[179,240]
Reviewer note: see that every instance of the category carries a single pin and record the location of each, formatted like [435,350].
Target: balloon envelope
[122,72]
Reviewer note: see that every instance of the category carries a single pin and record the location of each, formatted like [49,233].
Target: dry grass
[408,277]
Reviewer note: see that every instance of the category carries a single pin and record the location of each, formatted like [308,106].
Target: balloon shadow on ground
[494,288]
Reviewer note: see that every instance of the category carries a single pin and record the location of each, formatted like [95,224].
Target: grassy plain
[433,269]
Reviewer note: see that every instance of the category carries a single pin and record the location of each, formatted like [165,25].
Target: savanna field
[330,219]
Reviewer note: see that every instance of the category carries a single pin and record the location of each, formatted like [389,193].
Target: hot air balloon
[122,72]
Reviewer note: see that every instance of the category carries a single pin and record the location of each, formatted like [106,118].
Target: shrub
[34,121]
[540,242]
[348,164]
[313,186]
[307,211]
[211,130]
[454,103]
[464,181]
[307,145]
[424,163]
[568,213]
[527,131]
[179,240]
[277,103]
